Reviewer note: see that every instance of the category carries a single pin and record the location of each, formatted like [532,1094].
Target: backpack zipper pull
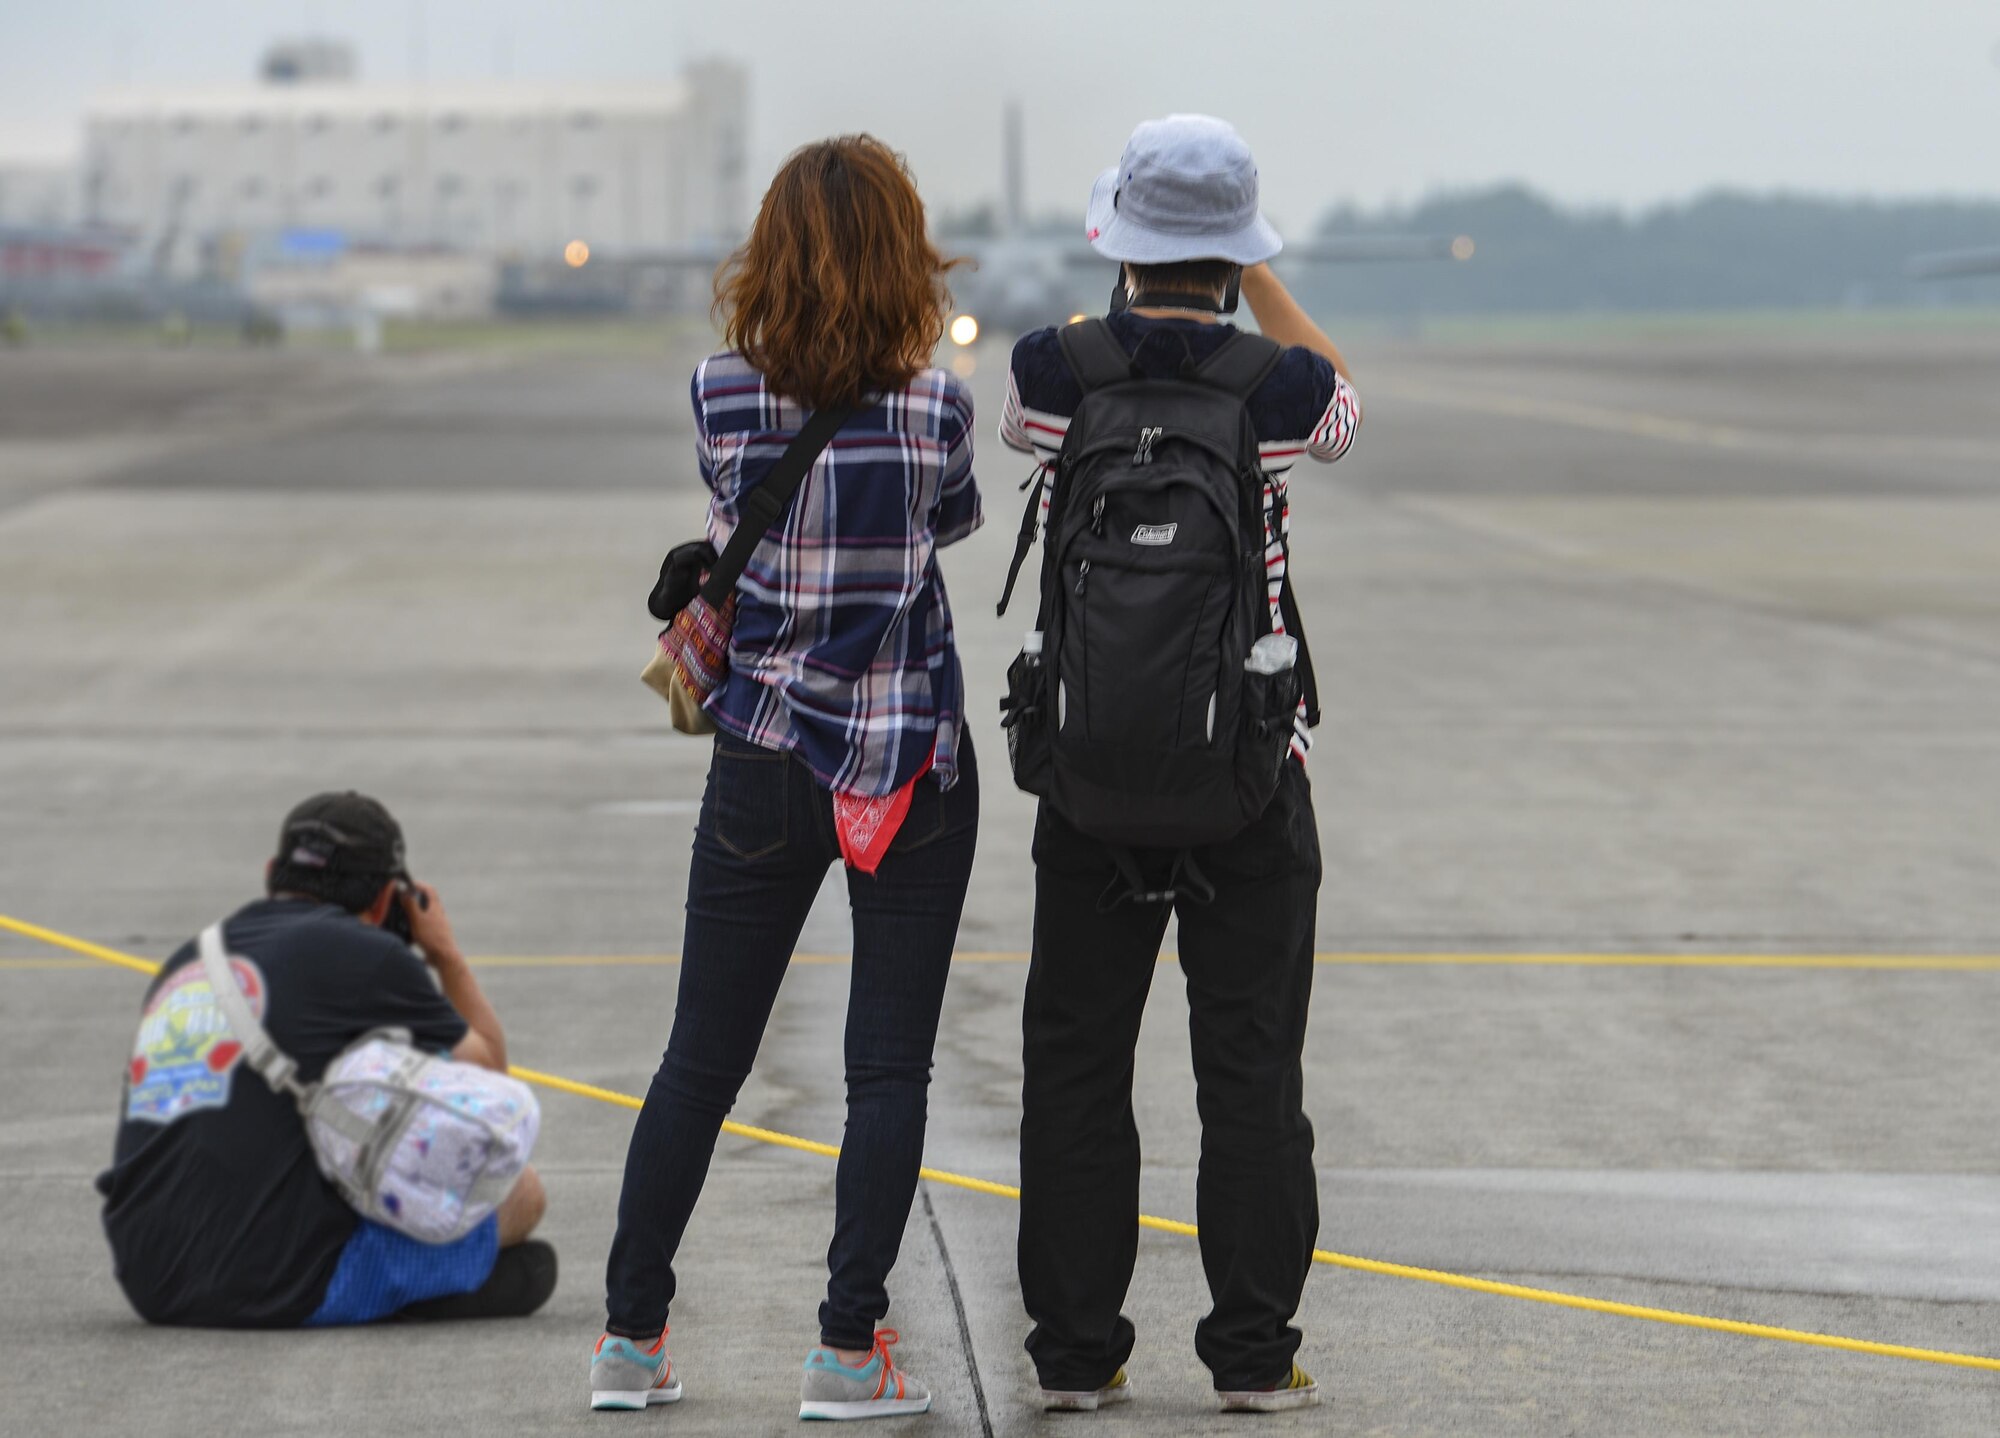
[1144,454]
[1097,515]
[1082,574]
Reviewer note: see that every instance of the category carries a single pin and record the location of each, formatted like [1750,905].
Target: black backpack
[1138,721]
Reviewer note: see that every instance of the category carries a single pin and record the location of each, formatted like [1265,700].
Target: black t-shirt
[215,1208]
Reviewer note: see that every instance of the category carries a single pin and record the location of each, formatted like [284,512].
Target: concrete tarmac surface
[1672,646]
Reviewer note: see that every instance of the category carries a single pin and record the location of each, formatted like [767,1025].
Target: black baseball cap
[344,834]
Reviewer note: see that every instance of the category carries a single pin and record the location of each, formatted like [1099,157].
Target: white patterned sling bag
[423,1145]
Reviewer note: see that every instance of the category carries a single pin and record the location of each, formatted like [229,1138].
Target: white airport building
[37,193]
[503,169]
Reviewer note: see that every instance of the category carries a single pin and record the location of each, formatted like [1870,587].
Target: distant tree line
[1723,250]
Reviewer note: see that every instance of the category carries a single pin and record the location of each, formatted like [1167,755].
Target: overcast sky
[1604,101]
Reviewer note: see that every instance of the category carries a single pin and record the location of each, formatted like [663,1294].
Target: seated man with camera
[264,1174]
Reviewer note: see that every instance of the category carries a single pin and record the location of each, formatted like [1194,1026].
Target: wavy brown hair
[838,292]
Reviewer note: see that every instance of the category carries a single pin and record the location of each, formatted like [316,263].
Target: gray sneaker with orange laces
[874,1389]
[627,1374]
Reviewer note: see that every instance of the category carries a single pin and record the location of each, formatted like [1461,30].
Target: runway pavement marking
[1639,423]
[1326,1256]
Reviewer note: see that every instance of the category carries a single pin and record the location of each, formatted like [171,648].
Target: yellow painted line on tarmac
[1913,963]
[1461,1281]
[78,946]
[572,961]
[1680,961]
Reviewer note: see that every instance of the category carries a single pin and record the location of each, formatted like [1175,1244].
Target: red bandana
[868,826]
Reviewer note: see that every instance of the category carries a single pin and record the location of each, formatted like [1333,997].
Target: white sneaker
[1089,1400]
[1298,1391]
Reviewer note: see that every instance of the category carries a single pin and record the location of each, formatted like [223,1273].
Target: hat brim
[1116,237]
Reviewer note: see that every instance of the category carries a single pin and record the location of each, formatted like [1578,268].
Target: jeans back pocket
[750,798]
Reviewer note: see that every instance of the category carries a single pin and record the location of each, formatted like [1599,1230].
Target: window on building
[318,124]
[251,189]
[184,124]
[387,186]
[319,187]
[251,123]
[385,122]
[584,120]
[449,185]
[451,122]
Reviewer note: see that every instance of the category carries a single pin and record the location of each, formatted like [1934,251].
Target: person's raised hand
[430,926]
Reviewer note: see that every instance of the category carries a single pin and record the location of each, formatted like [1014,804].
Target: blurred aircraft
[1020,279]
[1024,279]
[1956,264]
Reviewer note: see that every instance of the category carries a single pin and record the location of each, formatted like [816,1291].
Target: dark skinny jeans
[762,848]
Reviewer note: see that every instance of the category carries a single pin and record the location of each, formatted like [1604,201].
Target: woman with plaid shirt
[841,736]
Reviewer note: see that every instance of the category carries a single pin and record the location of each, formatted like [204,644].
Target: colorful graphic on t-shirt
[185,1055]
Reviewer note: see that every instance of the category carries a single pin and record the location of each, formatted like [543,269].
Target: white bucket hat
[1186,189]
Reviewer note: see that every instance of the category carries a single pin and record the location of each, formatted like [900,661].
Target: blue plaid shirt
[843,650]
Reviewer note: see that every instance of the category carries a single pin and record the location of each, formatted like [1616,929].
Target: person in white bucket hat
[1185,189]
[1180,213]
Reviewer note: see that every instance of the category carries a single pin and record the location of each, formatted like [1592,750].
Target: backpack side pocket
[1024,712]
[1270,709]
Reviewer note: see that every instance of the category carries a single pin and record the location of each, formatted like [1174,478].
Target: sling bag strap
[759,508]
[273,1064]
[260,1050]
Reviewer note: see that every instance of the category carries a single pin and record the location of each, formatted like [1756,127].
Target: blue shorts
[382,1272]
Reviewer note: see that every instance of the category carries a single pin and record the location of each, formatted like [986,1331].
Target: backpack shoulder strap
[1094,355]
[1031,519]
[1295,625]
[260,1050]
[1243,363]
[758,508]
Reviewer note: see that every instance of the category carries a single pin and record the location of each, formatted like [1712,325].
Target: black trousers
[1248,958]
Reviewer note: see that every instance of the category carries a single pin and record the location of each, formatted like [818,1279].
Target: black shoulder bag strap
[1243,363]
[758,509]
[1095,357]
